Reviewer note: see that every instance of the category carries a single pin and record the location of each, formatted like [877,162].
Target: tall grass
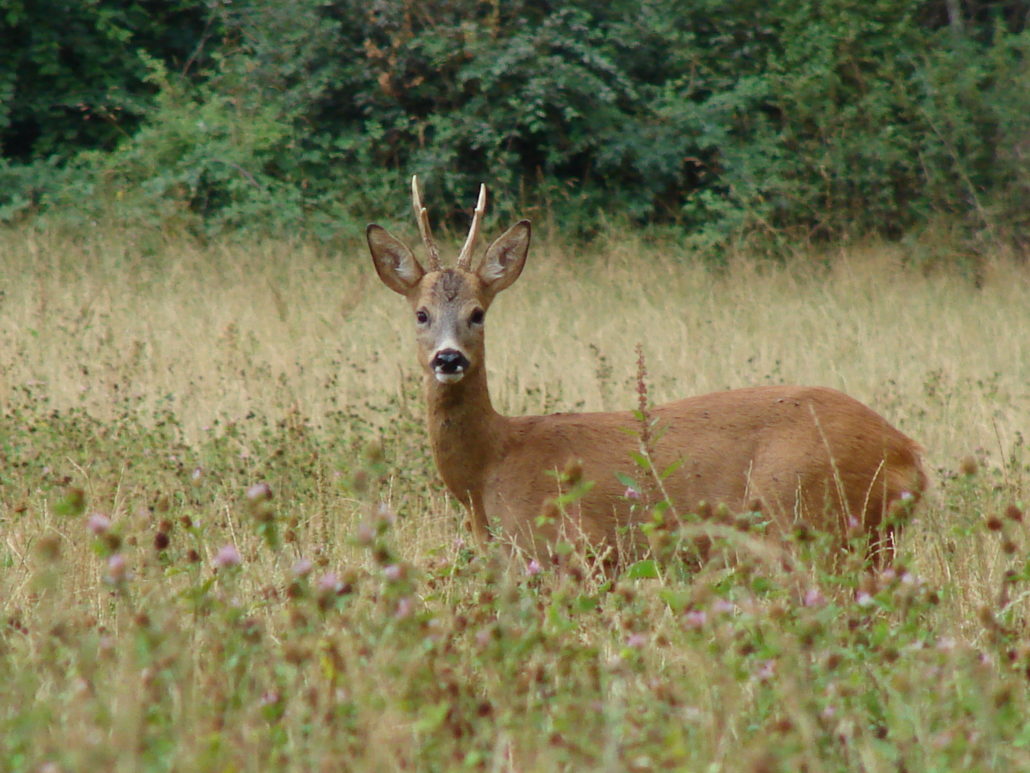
[224,546]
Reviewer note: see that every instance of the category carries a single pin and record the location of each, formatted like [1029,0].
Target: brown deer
[808,455]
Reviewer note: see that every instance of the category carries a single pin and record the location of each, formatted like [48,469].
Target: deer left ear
[505,258]
[394,261]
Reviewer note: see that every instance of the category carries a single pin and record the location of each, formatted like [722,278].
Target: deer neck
[465,432]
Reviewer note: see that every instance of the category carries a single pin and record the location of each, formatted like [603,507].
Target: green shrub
[771,123]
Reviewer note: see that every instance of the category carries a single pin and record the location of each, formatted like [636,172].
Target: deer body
[807,454]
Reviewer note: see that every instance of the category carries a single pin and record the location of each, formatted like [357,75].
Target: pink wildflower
[329,582]
[695,618]
[636,640]
[722,606]
[227,556]
[404,608]
[117,569]
[814,598]
[98,523]
[259,491]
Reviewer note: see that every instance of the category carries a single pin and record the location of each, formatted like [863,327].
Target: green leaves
[762,123]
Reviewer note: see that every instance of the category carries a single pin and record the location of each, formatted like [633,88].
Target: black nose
[449,361]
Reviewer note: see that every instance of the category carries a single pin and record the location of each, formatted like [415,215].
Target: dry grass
[164,379]
[187,318]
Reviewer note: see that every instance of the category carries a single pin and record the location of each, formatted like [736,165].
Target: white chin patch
[449,378]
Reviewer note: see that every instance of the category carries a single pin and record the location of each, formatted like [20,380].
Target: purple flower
[404,608]
[329,582]
[259,491]
[695,618]
[722,606]
[98,523]
[533,568]
[814,598]
[117,569]
[227,556]
[302,567]
[366,534]
[636,640]
[269,698]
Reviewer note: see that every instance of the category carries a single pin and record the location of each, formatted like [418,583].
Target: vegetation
[764,123]
[224,545]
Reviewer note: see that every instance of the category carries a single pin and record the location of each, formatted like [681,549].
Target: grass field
[224,546]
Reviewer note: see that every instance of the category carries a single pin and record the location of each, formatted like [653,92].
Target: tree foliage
[772,121]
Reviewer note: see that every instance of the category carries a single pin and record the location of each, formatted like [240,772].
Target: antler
[465,256]
[422,217]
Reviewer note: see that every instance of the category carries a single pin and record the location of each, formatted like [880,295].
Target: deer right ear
[505,258]
[394,261]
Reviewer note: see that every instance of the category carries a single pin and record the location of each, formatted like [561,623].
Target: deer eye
[476,317]
[422,316]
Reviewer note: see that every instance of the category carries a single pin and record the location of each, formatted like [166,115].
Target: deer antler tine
[465,256]
[422,218]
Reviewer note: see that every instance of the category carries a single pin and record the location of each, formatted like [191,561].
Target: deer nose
[449,361]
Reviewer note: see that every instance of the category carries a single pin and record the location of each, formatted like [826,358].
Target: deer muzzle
[449,366]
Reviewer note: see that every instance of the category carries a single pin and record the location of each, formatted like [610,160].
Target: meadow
[223,544]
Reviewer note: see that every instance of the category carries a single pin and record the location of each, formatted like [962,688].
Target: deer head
[449,304]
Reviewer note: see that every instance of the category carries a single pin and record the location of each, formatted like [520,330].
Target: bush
[764,122]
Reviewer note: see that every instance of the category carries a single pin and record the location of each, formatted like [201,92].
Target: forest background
[755,123]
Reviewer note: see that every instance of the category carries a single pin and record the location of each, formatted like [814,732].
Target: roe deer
[807,454]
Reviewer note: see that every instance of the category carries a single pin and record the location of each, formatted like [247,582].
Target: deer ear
[394,261]
[505,258]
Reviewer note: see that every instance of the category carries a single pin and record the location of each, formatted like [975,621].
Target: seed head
[384,515]
[573,472]
[48,547]
[374,452]
[968,466]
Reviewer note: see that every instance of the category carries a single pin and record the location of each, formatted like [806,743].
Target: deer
[806,456]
